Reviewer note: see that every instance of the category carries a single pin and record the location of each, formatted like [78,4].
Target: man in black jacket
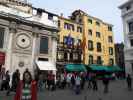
[129,82]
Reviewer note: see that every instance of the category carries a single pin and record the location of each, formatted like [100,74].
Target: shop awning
[105,68]
[114,68]
[98,67]
[75,67]
[45,65]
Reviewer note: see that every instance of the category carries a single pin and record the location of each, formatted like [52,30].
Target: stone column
[11,32]
[54,49]
[34,48]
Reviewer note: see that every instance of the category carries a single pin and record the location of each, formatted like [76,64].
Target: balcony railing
[64,46]
[70,61]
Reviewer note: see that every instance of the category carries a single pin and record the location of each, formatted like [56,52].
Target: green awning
[114,68]
[75,67]
[97,67]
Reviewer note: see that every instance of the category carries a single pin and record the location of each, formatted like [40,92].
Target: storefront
[67,55]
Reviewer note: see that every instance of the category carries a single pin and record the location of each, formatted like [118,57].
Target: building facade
[119,55]
[96,35]
[26,38]
[69,42]
[127,18]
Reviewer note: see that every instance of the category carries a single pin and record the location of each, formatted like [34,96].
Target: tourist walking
[27,88]
[51,81]
[72,81]
[63,81]
[58,82]
[78,84]
[7,86]
[68,79]
[83,79]
[15,81]
[106,85]
[89,79]
[3,79]
[129,82]
[40,83]
[94,82]
[2,73]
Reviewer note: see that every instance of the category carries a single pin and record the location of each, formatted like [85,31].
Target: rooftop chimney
[61,14]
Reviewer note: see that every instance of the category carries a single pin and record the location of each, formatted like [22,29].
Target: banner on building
[2,58]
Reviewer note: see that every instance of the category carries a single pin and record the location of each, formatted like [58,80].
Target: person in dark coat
[3,79]
[7,86]
[89,78]
[106,85]
[82,81]
[129,82]
[94,82]
[15,81]
[72,81]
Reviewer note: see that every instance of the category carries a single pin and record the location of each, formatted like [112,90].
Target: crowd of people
[26,89]
[76,81]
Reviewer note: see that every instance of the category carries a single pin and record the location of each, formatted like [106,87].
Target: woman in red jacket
[27,88]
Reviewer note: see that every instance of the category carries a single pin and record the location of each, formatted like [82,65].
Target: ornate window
[90,59]
[110,39]
[109,28]
[98,34]
[99,48]
[130,25]
[97,23]
[89,32]
[79,29]
[90,45]
[90,21]
[111,61]
[99,60]
[110,51]
[44,45]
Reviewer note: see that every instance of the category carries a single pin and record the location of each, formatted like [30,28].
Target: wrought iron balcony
[69,61]
[66,47]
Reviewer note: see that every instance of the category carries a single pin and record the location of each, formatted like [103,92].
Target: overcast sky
[107,10]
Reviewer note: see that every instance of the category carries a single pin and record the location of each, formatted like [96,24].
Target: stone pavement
[117,91]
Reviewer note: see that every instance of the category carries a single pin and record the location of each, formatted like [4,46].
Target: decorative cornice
[21,20]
